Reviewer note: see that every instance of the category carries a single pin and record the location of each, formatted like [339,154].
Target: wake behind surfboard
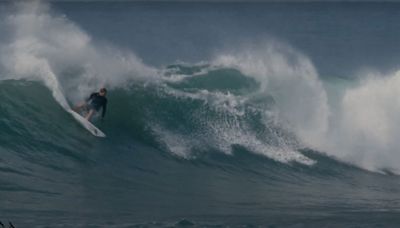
[53,83]
[86,124]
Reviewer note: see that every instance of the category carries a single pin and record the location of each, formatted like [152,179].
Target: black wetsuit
[96,102]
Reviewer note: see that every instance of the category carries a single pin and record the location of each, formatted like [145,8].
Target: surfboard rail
[87,124]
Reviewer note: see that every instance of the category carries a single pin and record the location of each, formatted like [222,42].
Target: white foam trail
[29,66]
[50,48]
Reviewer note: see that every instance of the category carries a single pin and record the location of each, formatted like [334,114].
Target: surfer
[94,103]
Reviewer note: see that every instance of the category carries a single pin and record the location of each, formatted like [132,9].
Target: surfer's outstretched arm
[90,97]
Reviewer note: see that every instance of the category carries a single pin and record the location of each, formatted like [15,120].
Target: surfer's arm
[91,96]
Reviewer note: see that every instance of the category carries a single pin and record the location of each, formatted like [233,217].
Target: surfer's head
[103,91]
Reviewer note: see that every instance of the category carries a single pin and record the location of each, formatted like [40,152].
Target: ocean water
[220,114]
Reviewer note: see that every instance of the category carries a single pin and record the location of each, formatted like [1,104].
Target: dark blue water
[219,115]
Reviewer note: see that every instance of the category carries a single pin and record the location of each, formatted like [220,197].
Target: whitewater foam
[50,48]
[367,127]
[222,120]
[360,127]
[291,79]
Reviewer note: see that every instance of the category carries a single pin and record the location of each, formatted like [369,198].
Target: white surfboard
[86,124]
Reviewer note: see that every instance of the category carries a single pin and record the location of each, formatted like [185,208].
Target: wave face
[252,136]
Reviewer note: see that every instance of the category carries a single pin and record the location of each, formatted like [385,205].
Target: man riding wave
[94,103]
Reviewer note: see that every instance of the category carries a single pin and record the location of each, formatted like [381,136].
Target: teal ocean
[219,114]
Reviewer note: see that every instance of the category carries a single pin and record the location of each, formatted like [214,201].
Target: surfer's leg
[90,114]
[79,107]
